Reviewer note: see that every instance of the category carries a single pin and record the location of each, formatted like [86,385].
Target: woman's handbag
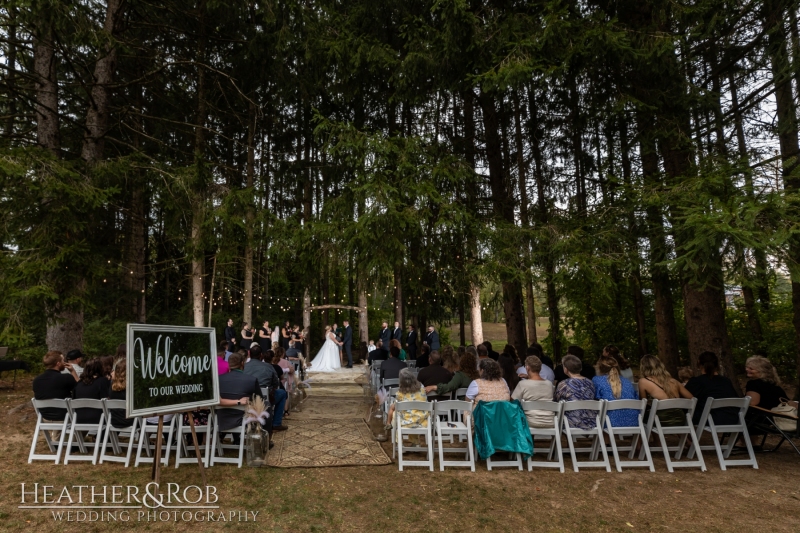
[785,409]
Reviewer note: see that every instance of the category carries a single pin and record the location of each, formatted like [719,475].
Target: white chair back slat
[685,431]
[45,427]
[730,432]
[552,434]
[637,434]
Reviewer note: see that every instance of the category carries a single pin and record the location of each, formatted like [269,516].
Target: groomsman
[347,341]
[432,339]
[385,336]
[230,335]
[397,333]
[411,342]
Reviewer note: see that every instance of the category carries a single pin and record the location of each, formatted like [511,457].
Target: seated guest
[52,384]
[656,383]
[483,353]
[222,365]
[377,354]
[223,347]
[117,392]
[93,385]
[283,362]
[511,352]
[74,358]
[509,370]
[576,388]
[435,373]
[535,388]
[410,390]
[449,359]
[390,369]
[273,359]
[490,386]
[108,365]
[710,384]
[423,359]
[236,388]
[546,372]
[466,373]
[587,370]
[763,385]
[610,385]
[494,356]
[625,369]
[263,371]
[395,342]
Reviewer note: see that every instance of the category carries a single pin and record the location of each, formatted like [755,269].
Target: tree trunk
[100,97]
[11,78]
[44,68]
[198,195]
[249,216]
[774,16]
[503,206]
[666,327]
[476,320]
[398,297]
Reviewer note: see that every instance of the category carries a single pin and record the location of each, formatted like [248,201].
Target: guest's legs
[280,403]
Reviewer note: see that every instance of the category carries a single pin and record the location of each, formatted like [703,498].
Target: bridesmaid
[247,337]
[265,337]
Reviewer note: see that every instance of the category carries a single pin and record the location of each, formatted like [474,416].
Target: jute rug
[330,407]
[326,442]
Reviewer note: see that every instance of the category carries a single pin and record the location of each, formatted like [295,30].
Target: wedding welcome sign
[170,369]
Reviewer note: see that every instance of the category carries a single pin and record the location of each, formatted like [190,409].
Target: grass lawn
[382,499]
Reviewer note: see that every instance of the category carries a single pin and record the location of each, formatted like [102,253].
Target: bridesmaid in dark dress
[265,337]
[286,335]
[247,337]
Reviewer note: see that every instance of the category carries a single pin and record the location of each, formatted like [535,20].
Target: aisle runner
[327,442]
[330,407]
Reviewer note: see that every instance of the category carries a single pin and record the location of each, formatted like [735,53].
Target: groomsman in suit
[230,335]
[385,336]
[397,333]
[411,342]
[432,339]
[347,341]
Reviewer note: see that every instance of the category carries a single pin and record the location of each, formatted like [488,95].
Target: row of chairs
[73,443]
[447,424]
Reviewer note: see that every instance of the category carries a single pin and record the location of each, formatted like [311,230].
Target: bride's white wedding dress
[327,359]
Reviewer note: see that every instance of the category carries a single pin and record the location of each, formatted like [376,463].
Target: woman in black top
[265,337]
[93,385]
[286,335]
[710,384]
[247,337]
[117,392]
[764,385]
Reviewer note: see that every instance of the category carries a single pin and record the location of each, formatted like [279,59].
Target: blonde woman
[764,385]
[117,392]
[610,385]
[658,384]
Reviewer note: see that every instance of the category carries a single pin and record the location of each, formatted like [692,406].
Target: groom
[347,341]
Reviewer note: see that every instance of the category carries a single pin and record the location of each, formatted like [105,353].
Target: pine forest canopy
[626,169]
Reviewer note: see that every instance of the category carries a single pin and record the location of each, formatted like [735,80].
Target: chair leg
[718,449]
[441,448]
[36,438]
[400,449]
[471,449]
[131,441]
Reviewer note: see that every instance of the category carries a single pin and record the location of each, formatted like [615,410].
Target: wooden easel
[159,440]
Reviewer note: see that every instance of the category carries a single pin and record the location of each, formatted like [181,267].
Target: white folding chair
[686,430]
[386,383]
[184,451]
[460,394]
[148,430]
[446,426]
[635,432]
[399,431]
[410,363]
[76,429]
[217,444]
[46,426]
[553,434]
[596,434]
[706,423]
[376,373]
[113,434]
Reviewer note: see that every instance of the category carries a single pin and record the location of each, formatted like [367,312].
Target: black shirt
[279,371]
[53,385]
[704,387]
[96,390]
[770,393]
[118,419]
[434,374]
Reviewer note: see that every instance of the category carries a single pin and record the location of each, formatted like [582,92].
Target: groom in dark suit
[432,339]
[347,342]
[385,337]
[411,342]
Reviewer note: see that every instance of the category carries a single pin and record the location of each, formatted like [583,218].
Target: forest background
[624,170]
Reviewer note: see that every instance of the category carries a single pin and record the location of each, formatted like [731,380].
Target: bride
[327,359]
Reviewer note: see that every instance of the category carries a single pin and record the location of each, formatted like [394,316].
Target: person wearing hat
[75,359]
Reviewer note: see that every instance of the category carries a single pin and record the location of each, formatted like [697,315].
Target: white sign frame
[172,408]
